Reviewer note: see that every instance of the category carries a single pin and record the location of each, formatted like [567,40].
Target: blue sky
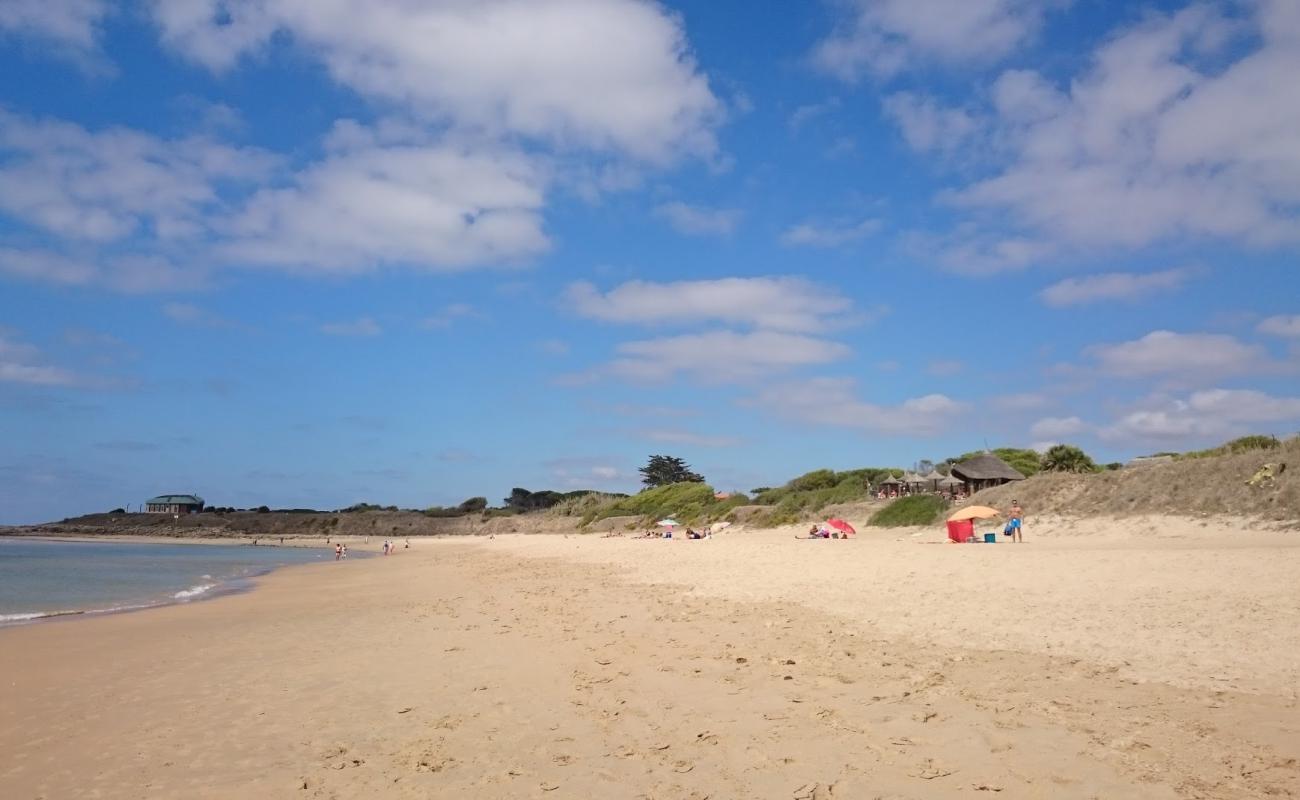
[284,252]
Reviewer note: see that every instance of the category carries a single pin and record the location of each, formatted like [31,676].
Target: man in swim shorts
[1016,524]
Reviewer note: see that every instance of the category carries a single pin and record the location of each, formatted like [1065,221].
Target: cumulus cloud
[613,75]
[834,401]
[103,186]
[362,326]
[833,234]
[884,37]
[1288,326]
[1183,125]
[129,273]
[1207,416]
[698,220]
[779,303]
[22,363]
[1181,356]
[377,201]
[927,126]
[1125,286]
[71,27]
[721,356]
[807,113]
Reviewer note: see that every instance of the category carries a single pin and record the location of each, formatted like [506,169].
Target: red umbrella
[840,525]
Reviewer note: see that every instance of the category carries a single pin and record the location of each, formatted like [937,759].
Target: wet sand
[750,665]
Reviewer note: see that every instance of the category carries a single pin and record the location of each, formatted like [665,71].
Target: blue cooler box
[990,538]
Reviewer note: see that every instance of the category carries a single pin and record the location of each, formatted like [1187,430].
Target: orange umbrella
[974,512]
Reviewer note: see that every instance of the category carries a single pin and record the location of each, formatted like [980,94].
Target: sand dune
[750,665]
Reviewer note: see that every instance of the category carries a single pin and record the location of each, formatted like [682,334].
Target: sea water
[43,578]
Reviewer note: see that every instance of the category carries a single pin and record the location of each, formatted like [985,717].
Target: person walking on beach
[1016,524]
[345,551]
[338,552]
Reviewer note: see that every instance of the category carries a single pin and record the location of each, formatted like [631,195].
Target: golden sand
[1108,662]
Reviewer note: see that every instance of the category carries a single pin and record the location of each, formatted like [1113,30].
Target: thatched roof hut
[985,470]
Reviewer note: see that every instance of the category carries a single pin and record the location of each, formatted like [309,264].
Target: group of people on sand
[691,533]
[823,532]
[340,551]
[390,547]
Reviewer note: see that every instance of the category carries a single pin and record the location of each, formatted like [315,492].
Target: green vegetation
[1241,445]
[813,491]
[474,505]
[919,509]
[1067,458]
[689,503]
[667,470]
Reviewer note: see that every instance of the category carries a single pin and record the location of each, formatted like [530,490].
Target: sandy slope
[744,666]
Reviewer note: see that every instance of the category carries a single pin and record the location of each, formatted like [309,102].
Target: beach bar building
[985,470]
[174,504]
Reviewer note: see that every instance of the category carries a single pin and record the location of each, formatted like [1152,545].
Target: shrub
[1240,445]
[473,505]
[920,509]
[687,502]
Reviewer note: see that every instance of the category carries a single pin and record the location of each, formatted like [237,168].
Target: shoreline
[184,596]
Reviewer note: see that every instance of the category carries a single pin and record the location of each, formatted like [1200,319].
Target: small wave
[35,615]
[193,591]
[206,577]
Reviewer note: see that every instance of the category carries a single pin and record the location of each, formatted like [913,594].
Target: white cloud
[71,26]
[1182,126]
[606,74]
[886,36]
[381,199]
[926,126]
[21,363]
[721,356]
[782,303]
[699,221]
[589,472]
[1288,326]
[1126,286]
[834,234]
[105,186]
[362,326]
[807,113]
[1057,428]
[130,273]
[1180,356]
[1205,417]
[834,401]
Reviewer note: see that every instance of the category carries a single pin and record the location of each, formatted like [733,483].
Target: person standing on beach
[338,552]
[345,551]
[1016,524]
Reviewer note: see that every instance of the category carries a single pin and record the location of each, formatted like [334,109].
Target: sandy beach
[1122,659]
